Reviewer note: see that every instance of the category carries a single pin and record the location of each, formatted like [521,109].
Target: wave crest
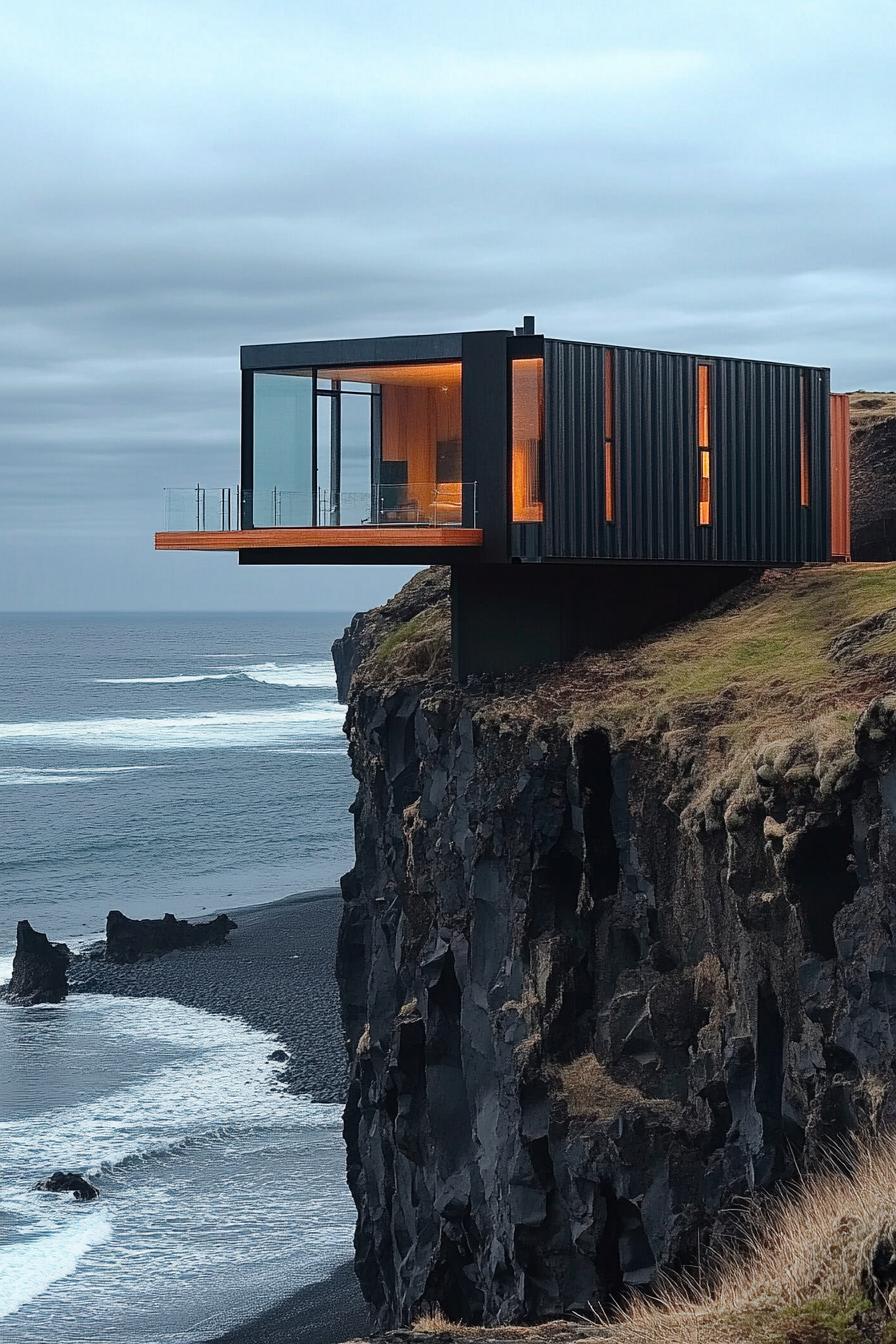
[207,729]
[309,676]
[30,1267]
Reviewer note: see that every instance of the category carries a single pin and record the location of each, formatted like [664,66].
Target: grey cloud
[183,179]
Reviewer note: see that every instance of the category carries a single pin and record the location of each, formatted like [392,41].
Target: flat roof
[362,350]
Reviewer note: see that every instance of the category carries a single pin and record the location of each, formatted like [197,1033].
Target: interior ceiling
[403,375]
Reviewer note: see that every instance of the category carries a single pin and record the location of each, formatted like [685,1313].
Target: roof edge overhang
[361,350]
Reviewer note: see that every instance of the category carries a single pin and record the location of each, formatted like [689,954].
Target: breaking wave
[14,775]
[304,676]
[30,1267]
[208,729]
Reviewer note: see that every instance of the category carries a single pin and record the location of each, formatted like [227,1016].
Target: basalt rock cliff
[619,945]
[39,968]
[873,479]
[128,940]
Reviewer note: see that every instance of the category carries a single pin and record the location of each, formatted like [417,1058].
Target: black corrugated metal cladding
[756,513]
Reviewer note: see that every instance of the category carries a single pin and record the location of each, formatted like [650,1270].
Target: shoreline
[275,972]
[320,1313]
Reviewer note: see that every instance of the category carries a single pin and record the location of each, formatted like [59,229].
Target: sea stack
[38,969]
[128,940]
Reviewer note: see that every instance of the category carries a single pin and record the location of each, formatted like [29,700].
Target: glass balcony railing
[226,508]
[198,509]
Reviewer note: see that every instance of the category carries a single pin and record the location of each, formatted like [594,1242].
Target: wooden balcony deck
[322,538]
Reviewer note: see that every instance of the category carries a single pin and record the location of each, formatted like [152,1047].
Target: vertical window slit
[703,445]
[609,448]
[527,437]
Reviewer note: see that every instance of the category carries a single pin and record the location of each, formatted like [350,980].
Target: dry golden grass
[869,408]
[590,1092]
[806,1276]
[437,1323]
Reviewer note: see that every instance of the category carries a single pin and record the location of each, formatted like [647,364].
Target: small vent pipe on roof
[528,327]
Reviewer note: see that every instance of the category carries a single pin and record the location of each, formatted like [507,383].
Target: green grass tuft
[824,1321]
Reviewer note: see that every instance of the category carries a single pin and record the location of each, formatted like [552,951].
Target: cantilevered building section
[581,492]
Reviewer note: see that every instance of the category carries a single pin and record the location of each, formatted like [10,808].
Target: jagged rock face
[128,940]
[873,483]
[38,969]
[585,1017]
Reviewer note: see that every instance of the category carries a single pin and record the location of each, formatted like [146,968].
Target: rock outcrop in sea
[129,940]
[69,1183]
[39,968]
[619,945]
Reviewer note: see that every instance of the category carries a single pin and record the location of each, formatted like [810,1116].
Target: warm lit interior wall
[415,420]
[527,395]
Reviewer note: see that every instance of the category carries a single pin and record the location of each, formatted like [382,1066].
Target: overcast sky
[178,179]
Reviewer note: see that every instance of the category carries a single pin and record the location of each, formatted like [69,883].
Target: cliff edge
[618,945]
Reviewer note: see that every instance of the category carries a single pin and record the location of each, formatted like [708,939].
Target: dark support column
[247,417]
[504,617]
[484,429]
[335,510]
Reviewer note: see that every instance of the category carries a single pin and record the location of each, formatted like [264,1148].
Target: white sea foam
[318,675]
[225,1085]
[28,1268]
[315,676]
[162,681]
[212,728]
[71,774]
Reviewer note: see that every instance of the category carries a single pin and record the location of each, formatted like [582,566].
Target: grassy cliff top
[795,655]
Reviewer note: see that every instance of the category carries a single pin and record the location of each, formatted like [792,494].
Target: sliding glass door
[283,490]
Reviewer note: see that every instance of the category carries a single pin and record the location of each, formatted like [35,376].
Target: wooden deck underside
[321,538]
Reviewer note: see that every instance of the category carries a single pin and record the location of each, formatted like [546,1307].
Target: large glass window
[527,429]
[283,489]
[415,441]
[387,446]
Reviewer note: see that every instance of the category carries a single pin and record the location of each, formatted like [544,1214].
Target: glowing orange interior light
[702,405]
[704,513]
[705,488]
[527,394]
[609,450]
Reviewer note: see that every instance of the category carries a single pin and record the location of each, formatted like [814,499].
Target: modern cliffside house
[581,493]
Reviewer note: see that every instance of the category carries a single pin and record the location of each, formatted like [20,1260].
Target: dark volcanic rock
[128,940]
[873,475]
[38,969]
[589,1010]
[68,1182]
[424,592]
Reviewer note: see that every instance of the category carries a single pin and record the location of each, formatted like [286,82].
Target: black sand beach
[276,973]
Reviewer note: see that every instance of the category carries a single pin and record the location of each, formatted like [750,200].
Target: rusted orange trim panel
[319,538]
[840,511]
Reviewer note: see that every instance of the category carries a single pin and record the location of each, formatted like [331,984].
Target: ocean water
[159,763]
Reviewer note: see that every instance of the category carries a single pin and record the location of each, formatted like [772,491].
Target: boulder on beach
[38,969]
[128,940]
[68,1182]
